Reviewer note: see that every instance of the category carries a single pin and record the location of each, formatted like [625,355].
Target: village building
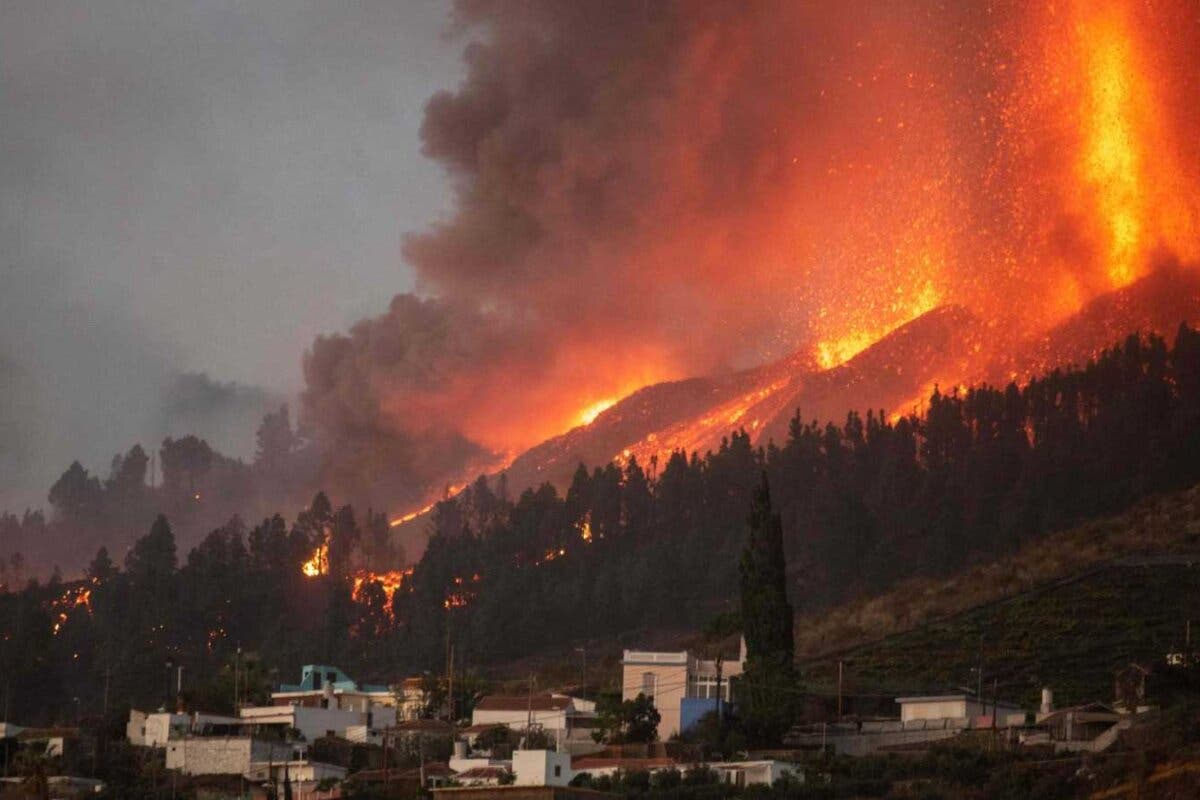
[924,719]
[541,768]
[682,687]
[1092,727]
[323,686]
[315,723]
[411,698]
[326,702]
[564,718]
[155,729]
[960,706]
[303,776]
[515,792]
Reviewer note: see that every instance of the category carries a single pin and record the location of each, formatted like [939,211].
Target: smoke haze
[195,188]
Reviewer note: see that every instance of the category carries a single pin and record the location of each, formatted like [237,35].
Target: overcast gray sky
[196,187]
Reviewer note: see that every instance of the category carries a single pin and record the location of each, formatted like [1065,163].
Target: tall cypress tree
[769,685]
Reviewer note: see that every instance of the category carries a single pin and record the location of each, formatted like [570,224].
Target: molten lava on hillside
[868,199]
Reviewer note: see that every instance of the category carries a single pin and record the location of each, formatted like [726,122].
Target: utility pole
[839,707]
[720,697]
[7,693]
[450,685]
[979,671]
[385,763]
[529,717]
[421,756]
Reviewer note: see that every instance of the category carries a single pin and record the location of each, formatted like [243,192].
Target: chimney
[1047,701]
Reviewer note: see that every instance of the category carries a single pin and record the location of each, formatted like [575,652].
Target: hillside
[947,346]
[1062,612]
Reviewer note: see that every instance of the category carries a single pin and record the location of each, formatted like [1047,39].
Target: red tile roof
[539,702]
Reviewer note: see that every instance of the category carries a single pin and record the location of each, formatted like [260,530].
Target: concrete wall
[210,756]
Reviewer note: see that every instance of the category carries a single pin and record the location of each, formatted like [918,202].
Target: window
[649,681]
[558,770]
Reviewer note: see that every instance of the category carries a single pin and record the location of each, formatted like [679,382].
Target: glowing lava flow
[410,516]
[831,353]
[589,414]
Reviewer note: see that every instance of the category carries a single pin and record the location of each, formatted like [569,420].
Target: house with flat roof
[328,701]
[683,687]
[959,706]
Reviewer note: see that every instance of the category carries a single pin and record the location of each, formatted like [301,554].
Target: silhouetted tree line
[239,602]
[626,548]
[195,486]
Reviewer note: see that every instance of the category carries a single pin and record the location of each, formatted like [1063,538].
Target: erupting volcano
[814,207]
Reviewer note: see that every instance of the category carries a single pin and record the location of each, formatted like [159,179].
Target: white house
[559,715]
[157,728]
[958,706]
[750,773]
[153,730]
[541,768]
[313,723]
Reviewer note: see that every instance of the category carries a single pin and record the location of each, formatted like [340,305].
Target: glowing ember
[73,598]
[461,597]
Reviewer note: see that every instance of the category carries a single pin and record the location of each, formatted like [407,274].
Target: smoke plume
[652,190]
